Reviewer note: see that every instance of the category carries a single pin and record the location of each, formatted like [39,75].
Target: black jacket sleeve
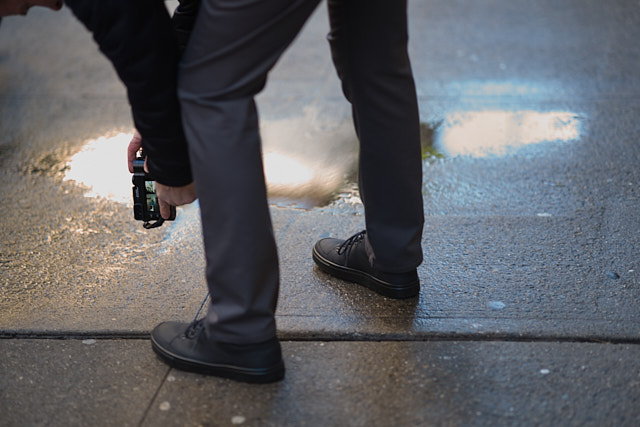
[138,38]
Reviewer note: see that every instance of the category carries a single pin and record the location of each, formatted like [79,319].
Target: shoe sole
[237,373]
[360,277]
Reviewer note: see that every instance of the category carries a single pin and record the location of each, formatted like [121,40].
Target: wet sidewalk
[528,312]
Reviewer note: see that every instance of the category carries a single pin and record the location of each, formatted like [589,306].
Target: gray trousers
[235,43]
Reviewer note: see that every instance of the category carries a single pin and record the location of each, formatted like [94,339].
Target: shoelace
[194,329]
[351,242]
[197,325]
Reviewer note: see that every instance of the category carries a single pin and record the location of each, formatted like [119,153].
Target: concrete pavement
[528,313]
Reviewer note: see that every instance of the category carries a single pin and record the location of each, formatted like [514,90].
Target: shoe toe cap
[166,332]
[327,248]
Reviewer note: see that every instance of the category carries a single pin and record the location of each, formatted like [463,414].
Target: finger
[130,158]
[132,149]
[165,209]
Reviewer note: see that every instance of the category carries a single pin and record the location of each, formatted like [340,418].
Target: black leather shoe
[348,260]
[188,347]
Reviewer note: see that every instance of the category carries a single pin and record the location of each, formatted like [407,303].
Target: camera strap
[149,225]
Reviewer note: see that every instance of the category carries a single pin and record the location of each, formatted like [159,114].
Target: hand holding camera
[153,201]
[146,204]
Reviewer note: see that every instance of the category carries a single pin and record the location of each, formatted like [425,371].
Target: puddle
[496,118]
[310,160]
[296,182]
[500,132]
[101,168]
[305,165]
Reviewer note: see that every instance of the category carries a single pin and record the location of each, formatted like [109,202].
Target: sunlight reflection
[101,166]
[485,133]
[281,170]
[290,178]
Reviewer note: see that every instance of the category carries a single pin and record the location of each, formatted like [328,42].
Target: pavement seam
[352,338]
[155,396]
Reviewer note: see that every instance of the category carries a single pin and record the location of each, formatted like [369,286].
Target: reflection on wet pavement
[310,160]
[495,118]
[484,133]
[101,167]
[301,178]
[295,182]
[303,167]
[308,157]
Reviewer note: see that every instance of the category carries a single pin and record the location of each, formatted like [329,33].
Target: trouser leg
[233,46]
[369,47]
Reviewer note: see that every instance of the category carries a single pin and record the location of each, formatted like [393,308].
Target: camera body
[145,200]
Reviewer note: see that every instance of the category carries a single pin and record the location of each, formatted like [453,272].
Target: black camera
[145,201]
